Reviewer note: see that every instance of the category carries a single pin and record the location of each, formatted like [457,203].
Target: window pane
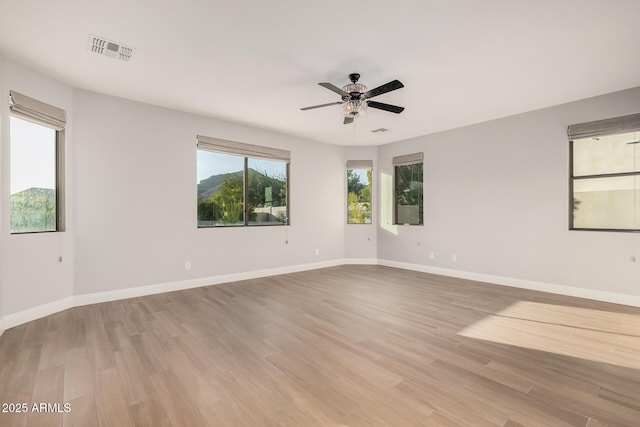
[267,192]
[359,196]
[220,189]
[607,203]
[409,203]
[606,154]
[33,177]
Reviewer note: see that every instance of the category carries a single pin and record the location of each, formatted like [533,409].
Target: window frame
[246,152]
[606,127]
[407,160]
[366,165]
[36,112]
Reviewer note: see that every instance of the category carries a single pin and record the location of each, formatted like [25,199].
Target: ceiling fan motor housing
[354,104]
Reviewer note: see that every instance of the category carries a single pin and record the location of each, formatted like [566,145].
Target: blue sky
[215,164]
[33,156]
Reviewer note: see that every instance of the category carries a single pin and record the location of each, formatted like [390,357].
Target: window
[408,189]
[241,184]
[36,137]
[605,175]
[359,191]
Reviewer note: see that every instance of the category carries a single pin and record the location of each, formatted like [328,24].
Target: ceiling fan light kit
[354,109]
[355,95]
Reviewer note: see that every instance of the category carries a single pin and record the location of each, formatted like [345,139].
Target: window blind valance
[241,149]
[408,159]
[37,112]
[624,124]
[359,164]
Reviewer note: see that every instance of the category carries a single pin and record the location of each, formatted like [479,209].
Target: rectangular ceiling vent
[109,48]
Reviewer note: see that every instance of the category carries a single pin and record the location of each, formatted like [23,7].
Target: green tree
[353,182]
[32,210]
[358,198]
[265,190]
[408,187]
[227,203]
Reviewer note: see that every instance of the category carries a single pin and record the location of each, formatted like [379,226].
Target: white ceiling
[258,62]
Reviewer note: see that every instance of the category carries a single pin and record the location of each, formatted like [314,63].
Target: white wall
[3,129]
[135,186]
[496,195]
[30,272]
[360,240]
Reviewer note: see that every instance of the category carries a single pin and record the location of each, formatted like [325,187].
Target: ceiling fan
[355,98]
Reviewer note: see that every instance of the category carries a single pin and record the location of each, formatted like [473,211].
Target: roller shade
[624,124]
[37,112]
[241,149]
[359,164]
[408,159]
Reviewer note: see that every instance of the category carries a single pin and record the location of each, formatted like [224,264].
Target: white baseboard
[24,316]
[593,294]
[360,261]
[98,297]
[18,318]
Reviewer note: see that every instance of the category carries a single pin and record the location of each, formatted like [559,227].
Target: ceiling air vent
[109,48]
[381,130]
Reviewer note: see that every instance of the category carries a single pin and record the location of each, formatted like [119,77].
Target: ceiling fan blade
[347,120]
[334,89]
[321,105]
[388,87]
[385,107]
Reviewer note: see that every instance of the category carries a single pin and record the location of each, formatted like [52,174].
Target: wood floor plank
[11,418]
[47,405]
[83,412]
[341,346]
[181,410]
[78,374]
[150,413]
[111,404]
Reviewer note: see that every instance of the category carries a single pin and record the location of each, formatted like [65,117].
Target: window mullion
[245,192]
[60,181]
[288,196]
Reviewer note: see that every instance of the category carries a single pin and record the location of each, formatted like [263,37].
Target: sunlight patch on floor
[600,336]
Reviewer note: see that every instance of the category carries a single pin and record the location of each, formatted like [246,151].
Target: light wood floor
[344,346]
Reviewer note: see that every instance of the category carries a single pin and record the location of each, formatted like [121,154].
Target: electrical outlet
[187,265]
[432,255]
[454,257]
[317,251]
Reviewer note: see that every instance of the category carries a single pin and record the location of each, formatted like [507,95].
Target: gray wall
[131,210]
[496,196]
[3,138]
[136,199]
[30,272]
